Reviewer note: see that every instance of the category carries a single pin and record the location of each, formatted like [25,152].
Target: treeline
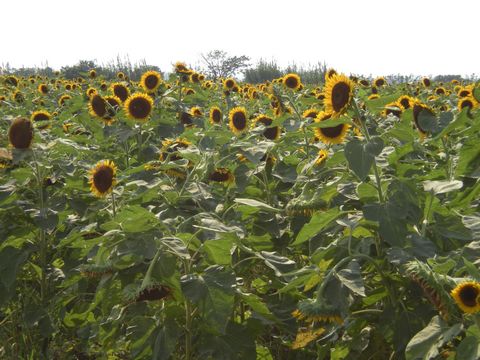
[109,70]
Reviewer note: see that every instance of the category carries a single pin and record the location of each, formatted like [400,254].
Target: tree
[218,64]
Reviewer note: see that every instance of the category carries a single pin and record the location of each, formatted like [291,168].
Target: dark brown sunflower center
[291,82]
[239,120]
[332,132]
[405,103]
[121,92]
[271,133]
[185,118]
[151,81]
[139,108]
[216,116]
[340,96]
[21,133]
[99,106]
[220,175]
[466,103]
[41,117]
[380,82]
[103,178]
[44,89]
[464,93]
[229,84]
[311,114]
[468,295]
[426,82]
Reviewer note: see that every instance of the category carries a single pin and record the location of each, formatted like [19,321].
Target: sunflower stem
[427,213]
[113,204]
[302,124]
[367,136]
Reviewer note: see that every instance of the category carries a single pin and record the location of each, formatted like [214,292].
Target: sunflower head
[229,83]
[393,108]
[292,81]
[63,99]
[150,81]
[238,121]
[380,81]
[313,310]
[426,82]
[271,133]
[467,296]
[222,175]
[338,94]
[138,106]
[43,89]
[170,149]
[310,113]
[97,106]
[321,157]
[405,102]
[120,75]
[196,111]
[92,73]
[467,102]
[40,115]
[20,133]
[181,68]
[440,90]
[330,135]
[418,108]
[215,115]
[103,178]
[120,91]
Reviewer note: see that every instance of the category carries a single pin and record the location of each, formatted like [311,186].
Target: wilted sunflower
[330,135]
[150,81]
[139,106]
[120,91]
[222,175]
[292,81]
[380,81]
[102,178]
[20,133]
[215,115]
[467,296]
[238,122]
[63,99]
[272,133]
[97,106]
[321,157]
[338,94]
[43,89]
[419,107]
[317,311]
[40,115]
[426,82]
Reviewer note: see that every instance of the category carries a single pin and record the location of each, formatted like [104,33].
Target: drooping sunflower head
[380,81]
[338,94]
[150,81]
[238,121]
[271,133]
[20,133]
[215,115]
[467,296]
[222,175]
[103,178]
[330,135]
[138,106]
[313,310]
[120,91]
[97,106]
[43,89]
[40,115]
[292,81]
[418,107]
[321,157]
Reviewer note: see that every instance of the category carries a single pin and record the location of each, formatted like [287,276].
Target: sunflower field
[186,218]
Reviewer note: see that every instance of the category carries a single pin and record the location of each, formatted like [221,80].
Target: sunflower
[189,91]
[426,82]
[271,133]
[102,178]
[419,107]
[464,92]
[40,115]
[330,135]
[292,81]
[170,149]
[467,102]
[404,101]
[112,105]
[222,175]
[120,91]
[380,81]
[215,115]
[120,75]
[196,111]
[440,90]
[195,78]
[338,94]
[91,91]
[467,296]
[317,311]
[373,96]
[321,157]
[11,80]
[92,73]
[138,106]
[238,122]
[229,84]
[181,68]
[43,89]
[364,83]
[310,113]
[97,106]
[150,81]
[393,108]
[20,133]
[63,99]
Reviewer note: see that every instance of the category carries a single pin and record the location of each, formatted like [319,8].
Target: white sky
[367,37]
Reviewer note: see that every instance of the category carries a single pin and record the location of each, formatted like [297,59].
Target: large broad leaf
[351,277]
[443,186]
[256,204]
[166,340]
[425,344]
[133,219]
[218,251]
[10,261]
[360,159]
[317,223]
